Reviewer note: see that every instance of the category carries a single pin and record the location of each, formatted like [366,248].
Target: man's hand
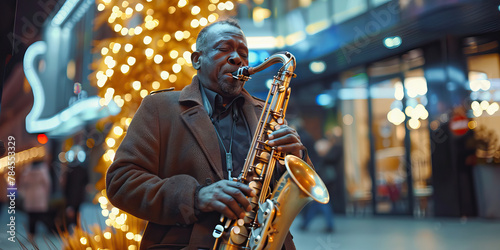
[226,197]
[287,140]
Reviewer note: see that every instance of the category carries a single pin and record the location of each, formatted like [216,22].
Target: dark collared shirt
[223,118]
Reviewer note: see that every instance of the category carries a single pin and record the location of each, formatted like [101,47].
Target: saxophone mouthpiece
[242,74]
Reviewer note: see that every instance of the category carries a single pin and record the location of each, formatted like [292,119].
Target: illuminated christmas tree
[151,50]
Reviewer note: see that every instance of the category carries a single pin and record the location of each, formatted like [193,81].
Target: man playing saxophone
[182,147]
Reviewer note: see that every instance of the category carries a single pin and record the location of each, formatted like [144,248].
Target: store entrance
[388,170]
[401,153]
[390,178]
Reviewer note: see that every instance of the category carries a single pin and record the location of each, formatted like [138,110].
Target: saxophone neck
[286,58]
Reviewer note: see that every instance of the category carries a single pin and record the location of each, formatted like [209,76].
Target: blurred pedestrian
[77,179]
[34,187]
[317,150]
[321,147]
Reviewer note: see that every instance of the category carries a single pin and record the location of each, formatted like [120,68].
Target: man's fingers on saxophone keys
[284,135]
[223,209]
[230,202]
[286,140]
[239,197]
[244,188]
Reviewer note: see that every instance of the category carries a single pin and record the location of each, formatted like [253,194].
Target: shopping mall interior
[398,99]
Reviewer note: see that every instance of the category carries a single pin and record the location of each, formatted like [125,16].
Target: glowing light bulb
[176,68]
[138,30]
[484,105]
[182,3]
[203,21]
[212,18]
[130,235]
[172,78]
[125,68]
[110,142]
[128,47]
[149,52]
[187,56]
[156,85]
[166,38]
[131,60]
[158,59]
[174,54]
[124,31]
[164,75]
[178,35]
[107,235]
[414,123]
[136,85]
[195,10]
[129,11]
[104,51]
[147,40]
[83,241]
[229,5]
[195,23]
[118,131]
[101,82]
[116,48]
[139,7]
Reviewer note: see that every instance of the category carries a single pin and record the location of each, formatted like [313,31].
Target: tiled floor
[351,233]
[382,233]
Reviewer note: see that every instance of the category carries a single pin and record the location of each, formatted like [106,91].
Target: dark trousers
[312,209]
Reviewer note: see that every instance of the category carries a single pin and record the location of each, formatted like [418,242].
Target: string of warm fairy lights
[151,50]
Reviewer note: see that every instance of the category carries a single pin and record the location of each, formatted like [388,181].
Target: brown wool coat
[171,148]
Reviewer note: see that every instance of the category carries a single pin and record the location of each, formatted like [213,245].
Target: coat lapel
[198,122]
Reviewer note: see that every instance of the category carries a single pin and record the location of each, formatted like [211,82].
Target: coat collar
[191,93]
[198,122]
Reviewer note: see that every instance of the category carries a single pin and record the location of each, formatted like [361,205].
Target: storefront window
[484,83]
[388,129]
[375,3]
[344,10]
[354,116]
[420,148]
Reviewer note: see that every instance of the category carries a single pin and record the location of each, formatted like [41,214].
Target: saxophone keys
[228,223]
[280,121]
[219,229]
[240,222]
[239,235]
[273,125]
[254,202]
[265,156]
[255,186]
[249,217]
[258,168]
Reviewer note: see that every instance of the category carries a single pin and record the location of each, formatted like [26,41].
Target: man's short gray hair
[201,40]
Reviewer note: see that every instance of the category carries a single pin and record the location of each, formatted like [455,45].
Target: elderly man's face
[225,51]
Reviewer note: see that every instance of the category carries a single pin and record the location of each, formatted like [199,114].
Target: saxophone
[267,224]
